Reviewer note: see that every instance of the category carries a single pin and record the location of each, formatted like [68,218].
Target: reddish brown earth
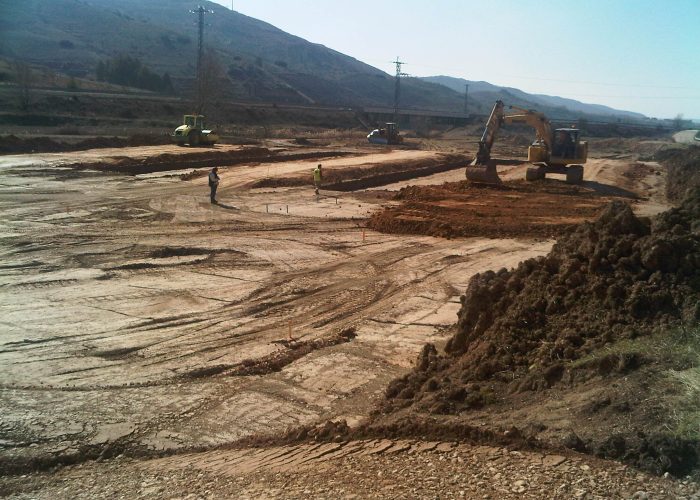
[547,324]
[185,307]
[367,175]
[12,144]
[683,165]
[514,209]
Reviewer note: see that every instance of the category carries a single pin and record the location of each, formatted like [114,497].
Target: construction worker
[213,183]
[318,177]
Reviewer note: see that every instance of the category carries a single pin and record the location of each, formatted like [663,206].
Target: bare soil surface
[165,158]
[378,170]
[380,468]
[11,144]
[685,136]
[683,165]
[515,209]
[130,302]
[546,325]
[518,208]
[140,319]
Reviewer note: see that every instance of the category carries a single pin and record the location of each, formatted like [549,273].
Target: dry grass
[676,354]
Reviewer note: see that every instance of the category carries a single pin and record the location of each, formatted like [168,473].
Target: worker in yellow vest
[318,177]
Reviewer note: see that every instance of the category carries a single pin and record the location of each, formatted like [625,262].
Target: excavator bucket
[484,173]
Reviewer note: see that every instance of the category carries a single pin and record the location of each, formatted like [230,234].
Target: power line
[586,82]
[200,11]
[633,96]
[397,86]
[466,98]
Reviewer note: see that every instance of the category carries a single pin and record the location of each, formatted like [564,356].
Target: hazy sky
[637,55]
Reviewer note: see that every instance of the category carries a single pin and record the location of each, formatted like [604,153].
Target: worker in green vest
[318,177]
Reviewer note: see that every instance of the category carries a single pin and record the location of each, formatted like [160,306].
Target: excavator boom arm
[543,129]
[538,121]
[489,136]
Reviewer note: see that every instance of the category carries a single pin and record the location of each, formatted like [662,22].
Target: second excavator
[558,151]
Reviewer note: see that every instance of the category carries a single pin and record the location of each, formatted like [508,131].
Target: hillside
[258,62]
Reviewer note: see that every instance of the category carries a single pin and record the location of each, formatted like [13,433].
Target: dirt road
[130,304]
[686,136]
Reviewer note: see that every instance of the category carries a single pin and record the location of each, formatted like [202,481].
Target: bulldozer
[192,132]
[558,151]
[387,135]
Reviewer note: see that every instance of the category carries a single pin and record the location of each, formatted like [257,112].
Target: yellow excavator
[553,152]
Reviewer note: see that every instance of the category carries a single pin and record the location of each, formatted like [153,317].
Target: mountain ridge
[259,61]
[477,87]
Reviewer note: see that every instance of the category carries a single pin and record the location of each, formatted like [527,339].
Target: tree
[678,121]
[24,80]
[131,72]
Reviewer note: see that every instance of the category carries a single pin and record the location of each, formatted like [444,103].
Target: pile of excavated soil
[369,175]
[12,144]
[513,209]
[198,159]
[683,170]
[173,161]
[617,278]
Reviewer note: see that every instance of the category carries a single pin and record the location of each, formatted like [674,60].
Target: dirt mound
[12,144]
[275,182]
[615,264]
[203,159]
[370,175]
[514,209]
[683,170]
[522,330]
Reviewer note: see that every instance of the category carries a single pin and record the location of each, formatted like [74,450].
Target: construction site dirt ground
[138,318]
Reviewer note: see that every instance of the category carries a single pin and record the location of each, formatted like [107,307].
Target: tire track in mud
[127,355]
[342,301]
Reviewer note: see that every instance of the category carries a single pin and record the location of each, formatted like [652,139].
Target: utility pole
[466,98]
[200,11]
[397,87]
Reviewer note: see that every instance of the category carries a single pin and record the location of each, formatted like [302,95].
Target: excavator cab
[565,140]
[567,148]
